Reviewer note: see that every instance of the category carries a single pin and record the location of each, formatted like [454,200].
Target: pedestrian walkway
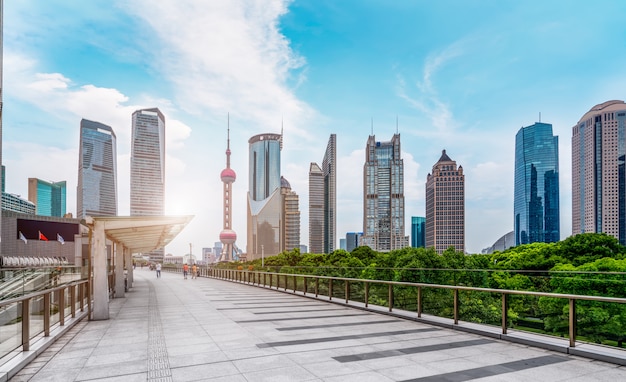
[172,329]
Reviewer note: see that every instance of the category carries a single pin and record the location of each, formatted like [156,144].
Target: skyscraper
[383,202]
[290,234]
[353,240]
[228,236]
[536,193]
[445,206]
[96,192]
[147,167]
[323,201]
[264,196]
[598,171]
[418,232]
[1,65]
[49,197]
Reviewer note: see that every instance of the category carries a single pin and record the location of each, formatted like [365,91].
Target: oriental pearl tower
[228,236]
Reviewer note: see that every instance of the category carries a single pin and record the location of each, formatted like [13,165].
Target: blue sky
[458,75]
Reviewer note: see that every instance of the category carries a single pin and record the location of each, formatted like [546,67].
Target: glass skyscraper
[383,201]
[96,192]
[536,195]
[323,201]
[147,167]
[599,172]
[49,197]
[418,232]
[264,196]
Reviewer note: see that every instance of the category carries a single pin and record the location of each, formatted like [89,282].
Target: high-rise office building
[49,197]
[264,196]
[536,191]
[353,240]
[445,206]
[323,201]
[383,202]
[96,192]
[418,232]
[290,233]
[1,65]
[147,167]
[599,172]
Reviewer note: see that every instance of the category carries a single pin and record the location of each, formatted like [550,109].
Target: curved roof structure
[613,105]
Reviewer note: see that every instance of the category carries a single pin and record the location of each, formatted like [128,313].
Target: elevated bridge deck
[172,329]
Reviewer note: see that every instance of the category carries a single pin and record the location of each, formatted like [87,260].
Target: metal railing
[301,283]
[25,318]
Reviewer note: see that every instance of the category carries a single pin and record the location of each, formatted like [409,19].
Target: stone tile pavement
[171,329]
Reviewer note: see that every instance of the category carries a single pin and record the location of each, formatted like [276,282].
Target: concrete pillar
[128,258]
[118,253]
[100,279]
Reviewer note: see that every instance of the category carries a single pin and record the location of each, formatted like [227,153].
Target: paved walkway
[171,329]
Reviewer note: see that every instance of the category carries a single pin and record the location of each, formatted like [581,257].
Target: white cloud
[227,57]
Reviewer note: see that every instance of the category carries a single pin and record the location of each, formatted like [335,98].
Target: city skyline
[465,82]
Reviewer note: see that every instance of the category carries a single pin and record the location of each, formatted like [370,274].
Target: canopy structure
[142,233]
[130,234]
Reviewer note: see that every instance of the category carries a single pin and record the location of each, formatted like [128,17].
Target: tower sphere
[228,175]
[228,236]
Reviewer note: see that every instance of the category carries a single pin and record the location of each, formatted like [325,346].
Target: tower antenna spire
[372,126]
[228,140]
[396,123]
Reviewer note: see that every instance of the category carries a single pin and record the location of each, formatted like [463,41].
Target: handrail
[243,276]
[22,306]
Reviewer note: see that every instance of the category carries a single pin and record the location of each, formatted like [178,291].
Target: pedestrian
[158,269]
[185,270]
[194,271]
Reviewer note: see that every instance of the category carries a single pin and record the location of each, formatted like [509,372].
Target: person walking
[185,270]
[158,270]
[194,271]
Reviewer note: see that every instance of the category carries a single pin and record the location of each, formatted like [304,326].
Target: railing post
[347,290]
[572,322]
[271,281]
[73,300]
[46,314]
[89,308]
[304,280]
[26,324]
[419,302]
[62,306]
[81,296]
[317,286]
[505,312]
[390,297]
[286,282]
[456,307]
[295,284]
[367,293]
[330,289]
[264,283]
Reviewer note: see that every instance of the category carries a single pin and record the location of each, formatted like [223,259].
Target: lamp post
[262,256]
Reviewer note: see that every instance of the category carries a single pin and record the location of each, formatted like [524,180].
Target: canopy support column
[119,269]
[100,277]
